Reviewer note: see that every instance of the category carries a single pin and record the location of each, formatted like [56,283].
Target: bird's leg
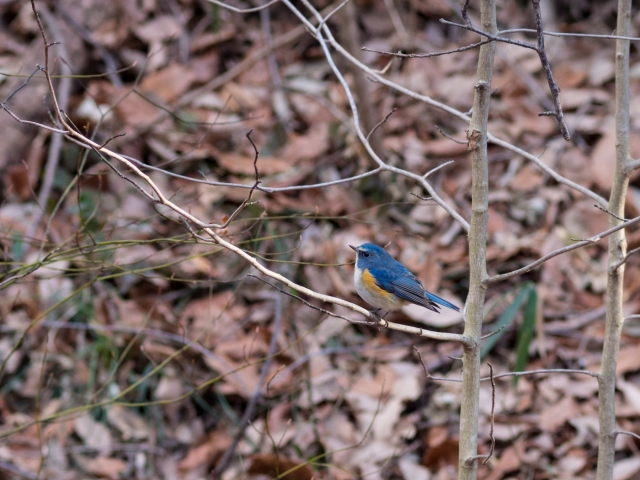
[373,312]
[377,315]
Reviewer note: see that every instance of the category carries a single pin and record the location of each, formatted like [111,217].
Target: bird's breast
[370,292]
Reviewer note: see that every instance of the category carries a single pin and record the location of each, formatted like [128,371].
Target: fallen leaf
[169,83]
[556,415]
[94,434]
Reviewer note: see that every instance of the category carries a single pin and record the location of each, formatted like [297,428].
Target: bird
[386,284]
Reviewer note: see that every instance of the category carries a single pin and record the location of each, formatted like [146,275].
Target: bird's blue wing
[441,301]
[409,288]
[405,285]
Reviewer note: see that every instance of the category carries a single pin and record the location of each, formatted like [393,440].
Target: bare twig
[526,373]
[553,87]
[493,418]
[381,122]
[617,217]
[244,10]
[464,13]
[460,142]
[567,34]
[493,38]
[261,187]
[434,170]
[427,55]
[626,432]
[108,140]
[11,280]
[543,371]
[362,87]
[615,266]
[582,243]
[308,304]
[6,108]
[539,49]
[493,333]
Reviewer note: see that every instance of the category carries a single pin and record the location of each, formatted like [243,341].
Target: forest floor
[134,350]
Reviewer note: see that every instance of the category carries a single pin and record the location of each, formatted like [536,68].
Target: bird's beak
[355,249]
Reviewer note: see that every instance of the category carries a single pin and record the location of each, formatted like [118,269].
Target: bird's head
[369,254]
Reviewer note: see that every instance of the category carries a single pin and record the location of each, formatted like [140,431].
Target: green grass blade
[503,321]
[525,335]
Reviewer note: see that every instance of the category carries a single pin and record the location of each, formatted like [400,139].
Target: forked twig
[539,49]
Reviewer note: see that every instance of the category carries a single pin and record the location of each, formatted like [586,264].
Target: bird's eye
[366,254]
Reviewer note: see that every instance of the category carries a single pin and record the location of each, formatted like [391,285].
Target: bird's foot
[377,318]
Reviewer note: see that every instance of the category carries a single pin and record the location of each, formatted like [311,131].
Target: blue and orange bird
[386,284]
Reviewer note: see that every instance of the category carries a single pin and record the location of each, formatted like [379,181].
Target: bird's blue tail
[441,301]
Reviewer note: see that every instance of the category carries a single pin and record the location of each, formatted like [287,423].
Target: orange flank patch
[372,286]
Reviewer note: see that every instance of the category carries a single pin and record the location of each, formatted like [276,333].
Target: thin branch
[542,371]
[521,374]
[427,55]
[548,170]
[540,50]
[338,301]
[261,188]
[434,170]
[11,280]
[308,304]
[626,432]
[553,86]
[493,333]
[459,142]
[244,10]
[495,38]
[493,418]
[379,124]
[29,122]
[582,243]
[463,12]
[112,138]
[617,217]
[565,34]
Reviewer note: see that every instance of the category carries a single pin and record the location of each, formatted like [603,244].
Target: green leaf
[525,335]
